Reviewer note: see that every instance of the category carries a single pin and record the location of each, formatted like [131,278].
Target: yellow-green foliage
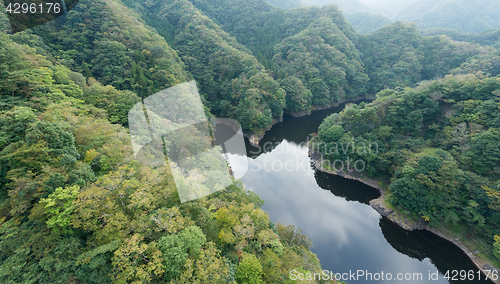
[59,207]
[249,270]
[496,247]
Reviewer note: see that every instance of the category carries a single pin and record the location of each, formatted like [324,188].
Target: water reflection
[423,244]
[348,189]
[347,234]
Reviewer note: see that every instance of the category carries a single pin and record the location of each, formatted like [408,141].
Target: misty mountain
[286,4]
[461,15]
[365,23]
[490,38]
[387,8]
[252,60]
[470,16]
[347,6]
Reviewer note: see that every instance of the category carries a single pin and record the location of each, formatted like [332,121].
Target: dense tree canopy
[76,207]
[438,144]
[110,44]
[398,56]
[365,23]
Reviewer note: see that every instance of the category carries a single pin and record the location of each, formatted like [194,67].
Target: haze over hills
[462,15]
[387,8]
[286,4]
[247,55]
[348,6]
[490,38]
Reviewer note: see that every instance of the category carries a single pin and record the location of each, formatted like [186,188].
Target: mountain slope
[347,6]
[490,38]
[235,84]
[286,4]
[398,56]
[76,207]
[103,39]
[437,154]
[462,15]
[365,23]
[326,62]
[217,60]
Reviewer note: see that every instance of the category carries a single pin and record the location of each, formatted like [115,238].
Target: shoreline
[254,138]
[327,106]
[400,218]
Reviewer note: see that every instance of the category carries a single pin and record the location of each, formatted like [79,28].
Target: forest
[76,207]
[465,16]
[435,147]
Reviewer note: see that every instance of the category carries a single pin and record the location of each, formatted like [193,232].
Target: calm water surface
[347,234]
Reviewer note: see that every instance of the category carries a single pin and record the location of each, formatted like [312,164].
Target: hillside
[256,44]
[489,38]
[435,148]
[76,207]
[362,17]
[366,23]
[286,4]
[461,15]
[337,79]
[234,83]
[398,56]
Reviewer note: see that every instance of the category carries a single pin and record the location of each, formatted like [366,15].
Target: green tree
[271,267]
[209,268]
[178,247]
[496,247]
[86,70]
[136,261]
[59,208]
[249,270]
[485,152]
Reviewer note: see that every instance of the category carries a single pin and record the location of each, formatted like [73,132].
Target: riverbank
[255,137]
[327,106]
[399,217]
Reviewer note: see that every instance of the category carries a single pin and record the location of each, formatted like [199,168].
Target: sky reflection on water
[346,234]
[334,212]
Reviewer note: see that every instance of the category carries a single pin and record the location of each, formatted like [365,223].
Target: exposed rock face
[254,138]
[378,205]
[398,217]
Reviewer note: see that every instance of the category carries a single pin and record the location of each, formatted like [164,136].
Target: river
[347,234]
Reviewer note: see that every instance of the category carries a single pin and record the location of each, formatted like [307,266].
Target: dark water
[347,234]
